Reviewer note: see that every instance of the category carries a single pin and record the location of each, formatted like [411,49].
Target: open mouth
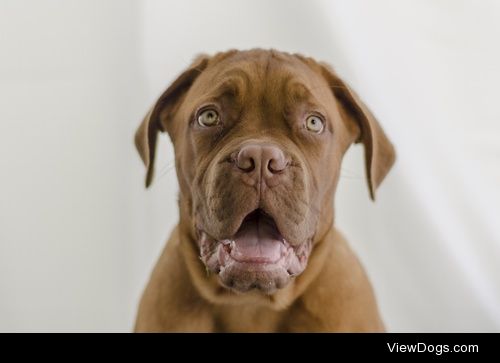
[258,240]
[257,256]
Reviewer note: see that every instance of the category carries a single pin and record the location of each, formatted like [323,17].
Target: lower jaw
[266,278]
[243,277]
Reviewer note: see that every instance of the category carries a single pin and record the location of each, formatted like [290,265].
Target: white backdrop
[79,234]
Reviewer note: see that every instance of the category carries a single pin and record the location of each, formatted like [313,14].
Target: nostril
[276,161]
[245,160]
[276,166]
[246,165]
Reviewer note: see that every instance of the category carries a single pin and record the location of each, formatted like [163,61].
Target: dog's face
[259,137]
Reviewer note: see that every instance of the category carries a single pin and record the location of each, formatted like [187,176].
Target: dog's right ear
[147,133]
[379,151]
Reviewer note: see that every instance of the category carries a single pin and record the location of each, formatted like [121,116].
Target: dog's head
[259,137]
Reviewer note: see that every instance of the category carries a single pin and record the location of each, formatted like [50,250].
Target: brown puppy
[259,137]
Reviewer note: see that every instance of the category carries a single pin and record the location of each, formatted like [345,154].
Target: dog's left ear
[379,151]
[147,133]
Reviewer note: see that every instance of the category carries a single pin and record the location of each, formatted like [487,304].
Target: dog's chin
[256,257]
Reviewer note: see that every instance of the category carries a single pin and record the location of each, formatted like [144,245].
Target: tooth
[283,250]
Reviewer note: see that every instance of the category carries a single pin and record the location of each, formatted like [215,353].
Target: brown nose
[266,159]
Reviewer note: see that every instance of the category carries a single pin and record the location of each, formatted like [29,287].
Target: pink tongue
[257,241]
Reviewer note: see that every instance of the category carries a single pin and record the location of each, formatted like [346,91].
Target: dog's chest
[246,319]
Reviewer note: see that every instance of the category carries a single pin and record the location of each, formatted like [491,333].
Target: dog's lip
[231,251]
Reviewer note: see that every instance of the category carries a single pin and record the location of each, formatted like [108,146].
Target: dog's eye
[314,124]
[208,118]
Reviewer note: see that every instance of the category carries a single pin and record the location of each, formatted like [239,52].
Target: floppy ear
[147,133]
[379,151]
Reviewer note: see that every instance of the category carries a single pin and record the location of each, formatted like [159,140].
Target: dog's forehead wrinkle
[232,86]
[297,90]
[224,87]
